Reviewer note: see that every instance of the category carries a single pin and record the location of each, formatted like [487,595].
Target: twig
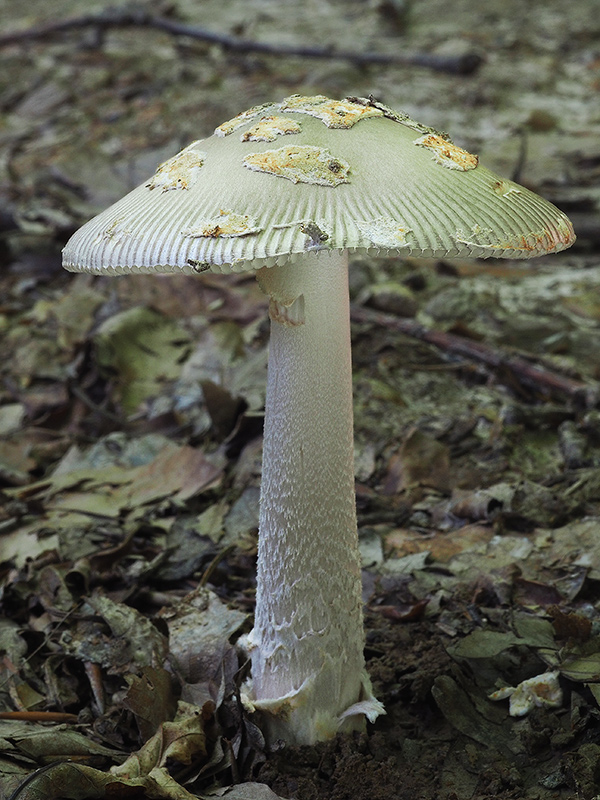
[528,374]
[87,401]
[39,716]
[207,574]
[464,64]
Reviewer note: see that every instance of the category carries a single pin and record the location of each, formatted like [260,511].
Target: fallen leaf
[150,699]
[145,349]
[247,791]
[200,627]
[483,644]
[181,741]
[535,594]
[584,669]
[48,743]
[422,460]
[574,627]
[122,640]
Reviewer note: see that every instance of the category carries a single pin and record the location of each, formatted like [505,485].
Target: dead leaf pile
[130,422]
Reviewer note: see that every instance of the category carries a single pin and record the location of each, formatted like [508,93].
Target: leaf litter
[130,418]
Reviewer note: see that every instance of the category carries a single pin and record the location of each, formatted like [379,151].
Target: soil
[478,475]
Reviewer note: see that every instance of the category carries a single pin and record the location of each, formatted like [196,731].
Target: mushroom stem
[308,666]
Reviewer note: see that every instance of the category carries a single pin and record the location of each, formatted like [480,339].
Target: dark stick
[464,64]
[527,374]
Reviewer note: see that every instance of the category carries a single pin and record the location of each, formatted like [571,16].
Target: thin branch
[39,716]
[526,373]
[464,64]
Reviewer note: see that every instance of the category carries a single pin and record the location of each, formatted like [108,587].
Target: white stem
[307,643]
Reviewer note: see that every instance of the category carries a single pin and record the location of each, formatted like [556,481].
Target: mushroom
[288,189]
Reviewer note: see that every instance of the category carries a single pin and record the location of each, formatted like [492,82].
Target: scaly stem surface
[307,643]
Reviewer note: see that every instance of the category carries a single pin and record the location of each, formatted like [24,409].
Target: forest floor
[130,422]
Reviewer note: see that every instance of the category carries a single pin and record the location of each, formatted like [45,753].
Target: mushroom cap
[311,174]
